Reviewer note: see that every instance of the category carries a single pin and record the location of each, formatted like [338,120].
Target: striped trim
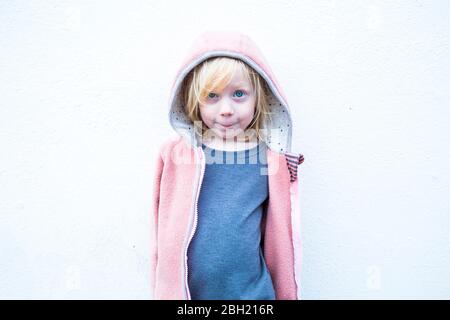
[293,160]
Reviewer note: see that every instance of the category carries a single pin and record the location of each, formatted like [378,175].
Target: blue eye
[239,94]
[240,91]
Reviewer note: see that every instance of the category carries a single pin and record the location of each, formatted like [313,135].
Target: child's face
[229,113]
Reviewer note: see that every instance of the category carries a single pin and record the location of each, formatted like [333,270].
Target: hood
[232,44]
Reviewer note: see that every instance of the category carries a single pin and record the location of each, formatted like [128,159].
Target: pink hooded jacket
[179,173]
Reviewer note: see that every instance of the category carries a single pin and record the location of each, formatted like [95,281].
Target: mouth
[226,126]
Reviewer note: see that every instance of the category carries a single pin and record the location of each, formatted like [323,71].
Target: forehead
[239,79]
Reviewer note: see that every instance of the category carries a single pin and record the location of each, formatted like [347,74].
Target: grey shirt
[225,257]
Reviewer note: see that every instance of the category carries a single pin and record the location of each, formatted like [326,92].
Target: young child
[225,215]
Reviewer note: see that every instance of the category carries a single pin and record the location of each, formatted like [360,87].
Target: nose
[225,108]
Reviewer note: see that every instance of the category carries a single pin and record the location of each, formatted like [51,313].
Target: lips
[226,126]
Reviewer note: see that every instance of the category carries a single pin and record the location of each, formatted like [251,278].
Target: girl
[225,210]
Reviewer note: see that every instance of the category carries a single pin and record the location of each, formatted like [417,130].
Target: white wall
[84,88]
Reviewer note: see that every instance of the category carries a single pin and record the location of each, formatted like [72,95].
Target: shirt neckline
[239,154]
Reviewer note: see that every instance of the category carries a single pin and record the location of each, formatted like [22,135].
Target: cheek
[206,116]
[247,113]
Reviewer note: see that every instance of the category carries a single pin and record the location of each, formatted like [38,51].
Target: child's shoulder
[168,142]
[168,145]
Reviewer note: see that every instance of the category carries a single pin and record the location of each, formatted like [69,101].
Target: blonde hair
[214,74]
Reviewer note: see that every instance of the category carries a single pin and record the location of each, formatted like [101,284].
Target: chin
[228,133]
[237,133]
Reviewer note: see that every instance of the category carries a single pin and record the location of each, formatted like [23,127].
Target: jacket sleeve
[281,231]
[154,222]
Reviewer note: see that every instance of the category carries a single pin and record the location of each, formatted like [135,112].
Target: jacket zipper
[199,185]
